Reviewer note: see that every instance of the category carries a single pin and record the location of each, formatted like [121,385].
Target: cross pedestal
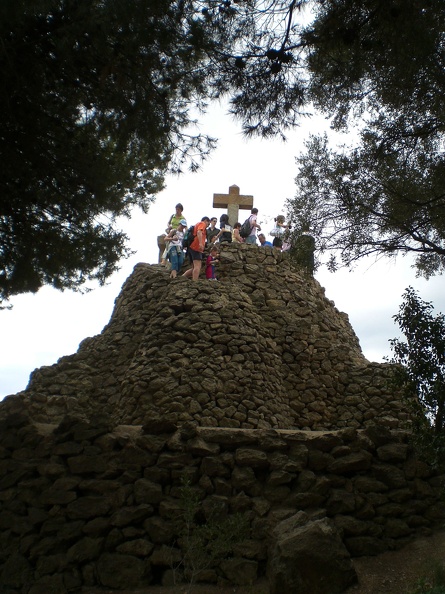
[233,201]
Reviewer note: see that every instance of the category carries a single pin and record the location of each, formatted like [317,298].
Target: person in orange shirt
[196,248]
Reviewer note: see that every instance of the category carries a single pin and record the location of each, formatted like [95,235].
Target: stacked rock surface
[84,505]
[252,392]
[260,348]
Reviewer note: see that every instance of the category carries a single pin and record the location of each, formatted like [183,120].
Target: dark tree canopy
[94,104]
[98,97]
[359,204]
[380,65]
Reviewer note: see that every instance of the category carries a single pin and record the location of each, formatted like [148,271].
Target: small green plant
[424,587]
[204,541]
[435,584]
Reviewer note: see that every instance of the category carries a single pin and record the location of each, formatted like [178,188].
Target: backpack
[189,236]
[246,229]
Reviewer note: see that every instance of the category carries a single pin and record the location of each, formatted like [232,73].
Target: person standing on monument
[280,227]
[225,234]
[175,219]
[212,231]
[211,260]
[236,237]
[173,223]
[254,226]
[175,251]
[196,248]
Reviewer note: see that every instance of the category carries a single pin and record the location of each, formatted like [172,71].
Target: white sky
[43,327]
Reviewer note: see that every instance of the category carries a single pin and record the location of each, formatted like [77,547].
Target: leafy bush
[420,372]
[205,538]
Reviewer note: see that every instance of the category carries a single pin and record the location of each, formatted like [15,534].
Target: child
[236,237]
[280,227]
[210,264]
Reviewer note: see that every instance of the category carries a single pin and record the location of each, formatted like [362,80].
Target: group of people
[205,235]
[228,234]
[174,250]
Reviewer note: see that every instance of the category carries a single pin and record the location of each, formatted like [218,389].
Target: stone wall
[83,504]
[253,389]
[261,348]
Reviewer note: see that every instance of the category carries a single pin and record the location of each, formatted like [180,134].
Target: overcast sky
[43,327]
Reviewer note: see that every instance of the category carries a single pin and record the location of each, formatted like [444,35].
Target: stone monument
[247,399]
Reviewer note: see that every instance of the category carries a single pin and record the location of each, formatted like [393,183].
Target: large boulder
[308,555]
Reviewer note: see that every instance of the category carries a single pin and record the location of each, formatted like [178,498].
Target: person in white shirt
[254,226]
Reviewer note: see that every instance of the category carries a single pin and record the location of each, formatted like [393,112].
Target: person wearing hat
[175,252]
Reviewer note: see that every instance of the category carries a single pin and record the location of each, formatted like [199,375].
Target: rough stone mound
[261,348]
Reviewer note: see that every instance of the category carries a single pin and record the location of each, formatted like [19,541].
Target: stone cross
[233,201]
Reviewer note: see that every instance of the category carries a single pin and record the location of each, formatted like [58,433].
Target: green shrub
[420,373]
[205,539]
